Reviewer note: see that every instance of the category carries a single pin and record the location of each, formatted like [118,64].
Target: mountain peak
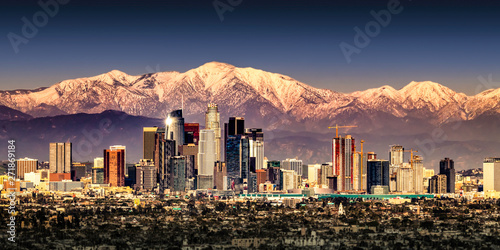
[216,65]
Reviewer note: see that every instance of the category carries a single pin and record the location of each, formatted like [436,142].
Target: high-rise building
[116,147]
[26,165]
[114,167]
[312,173]
[145,174]
[212,121]
[447,168]
[191,133]
[98,171]
[256,145]
[326,171]
[437,184]
[396,157]
[418,174]
[288,179]
[177,174]
[206,152]
[60,158]
[491,174]
[292,164]
[164,149]
[378,174]
[148,142]
[235,126]
[404,178]
[175,128]
[342,158]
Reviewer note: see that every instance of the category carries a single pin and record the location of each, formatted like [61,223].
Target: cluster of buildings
[181,157]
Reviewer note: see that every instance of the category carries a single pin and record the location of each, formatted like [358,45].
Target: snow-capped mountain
[293,114]
[269,98]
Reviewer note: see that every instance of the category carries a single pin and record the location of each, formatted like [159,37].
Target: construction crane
[336,127]
[361,167]
[411,156]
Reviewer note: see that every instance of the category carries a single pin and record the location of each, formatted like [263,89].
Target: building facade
[60,157]
[114,167]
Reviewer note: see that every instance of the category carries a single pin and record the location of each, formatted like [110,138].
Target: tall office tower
[404,178]
[237,160]
[261,176]
[356,171]
[26,165]
[427,175]
[256,141]
[148,142]
[288,179]
[78,170]
[164,149]
[447,168]
[312,173]
[177,174]
[98,171]
[396,157]
[326,171]
[235,126]
[378,174]
[220,175]
[145,174]
[114,167]
[292,164]
[491,174]
[212,121]
[116,147]
[207,155]
[175,128]
[191,133]
[60,157]
[437,184]
[342,153]
[418,174]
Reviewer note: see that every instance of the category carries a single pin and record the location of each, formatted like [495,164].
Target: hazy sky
[448,42]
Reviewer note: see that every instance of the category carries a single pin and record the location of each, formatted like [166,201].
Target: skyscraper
[145,175]
[396,157]
[148,142]
[256,145]
[175,128]
[235,126]
[178,173]
[212,121]
[378,173]
[164,149]
[207,155]
[447,168]
[26,165]
[437,184]
[114,170]
[418,174]
[115,147]
[98,171]
[60,157]
[491,174]
[292,164]
[404,178]
[342,158]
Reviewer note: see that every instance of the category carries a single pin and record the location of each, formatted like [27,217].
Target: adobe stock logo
[40,19]
[372,29]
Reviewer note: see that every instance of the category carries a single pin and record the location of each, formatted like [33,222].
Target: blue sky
[450,42]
